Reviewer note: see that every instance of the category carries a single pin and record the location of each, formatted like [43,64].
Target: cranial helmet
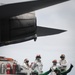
[38,56]
[54,61]
[26,60]
[62,56]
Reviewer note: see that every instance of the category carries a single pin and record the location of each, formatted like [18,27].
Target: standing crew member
[54,66]
[63,62]
[27,67]
[38,66]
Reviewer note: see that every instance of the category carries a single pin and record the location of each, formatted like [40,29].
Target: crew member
[63,62]
[27,67]
[54,66]
[38,66]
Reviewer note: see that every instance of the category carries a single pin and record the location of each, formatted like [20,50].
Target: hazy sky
[61,16]
[13,1]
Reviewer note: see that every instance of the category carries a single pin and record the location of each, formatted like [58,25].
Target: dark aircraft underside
[16,28]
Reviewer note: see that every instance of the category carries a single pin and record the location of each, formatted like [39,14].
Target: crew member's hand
[50,70]
[71,66]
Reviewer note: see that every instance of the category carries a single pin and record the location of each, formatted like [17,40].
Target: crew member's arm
[68,70]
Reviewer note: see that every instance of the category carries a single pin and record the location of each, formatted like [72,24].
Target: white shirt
[26,69]
[61,62]
[53,68]
[38,66]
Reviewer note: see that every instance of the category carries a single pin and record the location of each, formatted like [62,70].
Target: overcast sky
[61,16]
[13,1]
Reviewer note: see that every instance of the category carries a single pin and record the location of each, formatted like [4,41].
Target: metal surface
[15,9]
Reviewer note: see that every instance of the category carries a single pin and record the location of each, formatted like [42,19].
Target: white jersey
[62,62]
[38,66]
[53,68]
[27,69]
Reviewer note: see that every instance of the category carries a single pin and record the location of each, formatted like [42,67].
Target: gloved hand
[71,66]
[21,68]
[50,70]
[35,64]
